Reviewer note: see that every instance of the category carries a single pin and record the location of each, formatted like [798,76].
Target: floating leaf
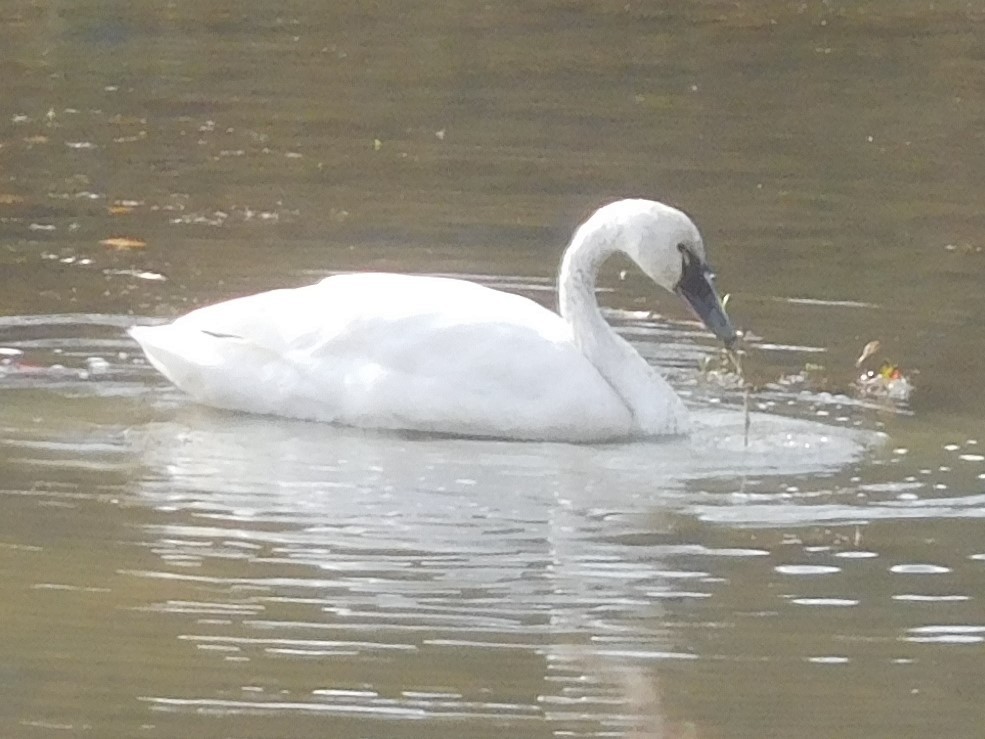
[119,210]
[9,199]
[123,243]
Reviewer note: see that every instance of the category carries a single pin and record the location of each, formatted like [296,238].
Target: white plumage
[441,355]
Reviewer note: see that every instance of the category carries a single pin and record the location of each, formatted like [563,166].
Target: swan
[449,356]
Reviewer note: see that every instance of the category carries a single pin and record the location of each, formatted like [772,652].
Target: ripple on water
[782,513]
[314,544]
[919,569]
[806,569]
[947,634]
[835,602]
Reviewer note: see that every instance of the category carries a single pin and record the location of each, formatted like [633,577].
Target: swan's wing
[392,351]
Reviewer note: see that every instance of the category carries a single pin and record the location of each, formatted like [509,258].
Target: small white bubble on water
[949,629]
[952,447]
[856,554]
[907,496]
[972,457]
[947,639]
[831,660]
[920,598]
[901,451]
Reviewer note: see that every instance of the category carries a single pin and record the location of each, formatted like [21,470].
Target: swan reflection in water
[556,556]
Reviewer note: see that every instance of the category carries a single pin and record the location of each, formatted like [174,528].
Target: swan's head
[667,246]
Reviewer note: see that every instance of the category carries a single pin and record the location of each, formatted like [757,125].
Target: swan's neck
[655,406]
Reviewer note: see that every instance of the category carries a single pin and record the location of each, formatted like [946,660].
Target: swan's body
[444,355]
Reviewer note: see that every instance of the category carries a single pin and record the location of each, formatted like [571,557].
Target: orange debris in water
[123,242]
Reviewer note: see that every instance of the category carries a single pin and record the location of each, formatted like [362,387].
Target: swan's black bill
[698,291]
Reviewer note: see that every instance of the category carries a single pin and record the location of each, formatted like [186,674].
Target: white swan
[449,356]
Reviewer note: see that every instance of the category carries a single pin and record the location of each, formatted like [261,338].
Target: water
[171,570]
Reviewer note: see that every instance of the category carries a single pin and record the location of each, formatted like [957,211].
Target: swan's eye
[686,256]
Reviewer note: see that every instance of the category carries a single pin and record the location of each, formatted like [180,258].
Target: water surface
[171,570]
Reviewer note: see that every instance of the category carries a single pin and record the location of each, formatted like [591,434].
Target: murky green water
[168,570]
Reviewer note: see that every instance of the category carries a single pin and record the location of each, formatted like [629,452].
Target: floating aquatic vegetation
[123,207]
[813,376]
[123,243]
[888,381]
[725,370]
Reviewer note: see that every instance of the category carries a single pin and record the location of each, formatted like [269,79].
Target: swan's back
[392,351]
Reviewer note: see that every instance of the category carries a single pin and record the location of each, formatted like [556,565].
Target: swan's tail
[215,369]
